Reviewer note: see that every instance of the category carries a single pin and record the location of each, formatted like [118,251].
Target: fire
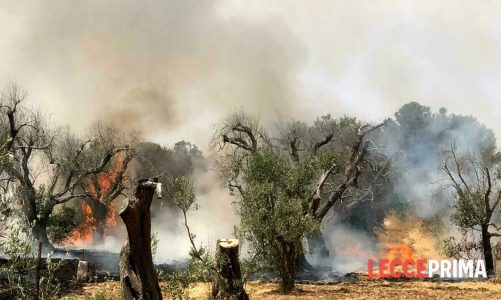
[404,237]
[400,251]
[83,234]
[104,181]
[356,250]
[98,187]
[111,217]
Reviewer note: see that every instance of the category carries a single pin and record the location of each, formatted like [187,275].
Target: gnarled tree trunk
[287,265]
[100,213]
[228,282]
[487,249]
[138,278]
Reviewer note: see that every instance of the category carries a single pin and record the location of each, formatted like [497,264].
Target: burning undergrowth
[407,237]
[400,236]
[102,230]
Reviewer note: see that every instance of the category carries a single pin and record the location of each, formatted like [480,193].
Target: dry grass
[377,289]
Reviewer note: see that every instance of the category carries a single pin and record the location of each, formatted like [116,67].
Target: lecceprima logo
[424,268]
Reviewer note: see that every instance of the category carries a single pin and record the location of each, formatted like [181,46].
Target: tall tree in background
[476,179]
[47,166]
[414,139]
[155,161]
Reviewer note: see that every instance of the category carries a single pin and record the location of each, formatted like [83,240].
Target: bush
[63,223]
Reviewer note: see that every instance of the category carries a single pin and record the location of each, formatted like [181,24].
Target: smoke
[351,248]
[421,137]
[411,211]
[215,219]
[173,68]
[168,68]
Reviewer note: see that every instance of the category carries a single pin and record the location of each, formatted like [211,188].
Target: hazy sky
[174,68]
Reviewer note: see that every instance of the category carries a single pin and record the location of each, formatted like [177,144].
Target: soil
[361,289]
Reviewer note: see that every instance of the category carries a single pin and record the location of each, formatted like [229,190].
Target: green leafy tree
[273,218]
[287,184]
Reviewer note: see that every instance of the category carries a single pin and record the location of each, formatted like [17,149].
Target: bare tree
[47,166]
[476,183]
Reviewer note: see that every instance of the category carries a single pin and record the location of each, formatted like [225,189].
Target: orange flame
[83,234]
[111,217]
[400,251]
[98,190]
[405,237]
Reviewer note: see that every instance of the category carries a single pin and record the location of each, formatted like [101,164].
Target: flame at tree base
[100,216]
[85,234]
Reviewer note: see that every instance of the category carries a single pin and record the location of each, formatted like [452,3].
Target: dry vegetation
[374,289]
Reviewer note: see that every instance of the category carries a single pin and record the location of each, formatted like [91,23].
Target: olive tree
[475,180]
[47,166]
[110,183]
[287,184]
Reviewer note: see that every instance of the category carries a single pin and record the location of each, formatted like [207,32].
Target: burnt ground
[359,289]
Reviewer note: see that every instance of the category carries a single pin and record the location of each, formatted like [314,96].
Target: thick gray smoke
[421,137]
[165,67]
[173,68]
[415,140]
[184,64]
[214,219]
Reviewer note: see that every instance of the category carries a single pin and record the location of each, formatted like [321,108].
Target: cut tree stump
[138,278]
[228,281]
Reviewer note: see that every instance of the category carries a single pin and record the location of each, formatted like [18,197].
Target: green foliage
[200,266]
[20,269]
[4,155]
[475,183]
[168,163]
[451,248]
[468,210]
[62,223]
[466,248]
[179,283]
[182,193]
[272,207]
[154,243]
[50,288]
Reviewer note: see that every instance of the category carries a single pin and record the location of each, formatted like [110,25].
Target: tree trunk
[287,265]
[228,282]
[138,278]
[39,232]
[487,249]
[36,218]
[100,213]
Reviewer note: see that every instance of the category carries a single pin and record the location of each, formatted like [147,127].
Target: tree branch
[321,143]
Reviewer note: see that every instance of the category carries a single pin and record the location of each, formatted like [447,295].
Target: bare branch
[321,143]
